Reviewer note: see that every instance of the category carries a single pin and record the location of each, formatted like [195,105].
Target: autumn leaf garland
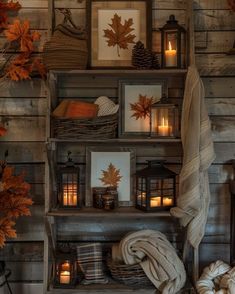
[120,35]
[20,38]
[14,201]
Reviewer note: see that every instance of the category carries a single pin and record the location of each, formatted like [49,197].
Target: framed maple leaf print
[111,167]
[114,28]
[135,99]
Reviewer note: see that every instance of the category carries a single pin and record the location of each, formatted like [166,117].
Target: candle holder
[155,187]
[69,185]
[164,119]
[173,44]
[65,270]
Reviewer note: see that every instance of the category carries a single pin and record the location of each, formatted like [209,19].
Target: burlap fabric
[67,49]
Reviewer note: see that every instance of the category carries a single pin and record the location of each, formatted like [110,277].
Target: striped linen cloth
[90,260]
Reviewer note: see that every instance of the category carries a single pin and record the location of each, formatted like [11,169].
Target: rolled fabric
[212,275]
[157,257]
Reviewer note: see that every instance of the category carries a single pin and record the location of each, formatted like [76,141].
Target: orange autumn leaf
[120,35]
[5,8]
[14,200]
[142,108]
[111,177]
[19,68]
[2,131]
[39,67]
[20,32]
[6,230]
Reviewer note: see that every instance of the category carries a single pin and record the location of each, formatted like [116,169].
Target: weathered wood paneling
[215,26]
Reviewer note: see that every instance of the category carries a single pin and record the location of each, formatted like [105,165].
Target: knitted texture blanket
[198,154]
[217,278]
[157,257]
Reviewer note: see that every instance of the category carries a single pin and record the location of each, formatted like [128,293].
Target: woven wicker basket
[102,127]
[130,275]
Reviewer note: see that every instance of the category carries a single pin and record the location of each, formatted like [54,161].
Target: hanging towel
[198,154]
[157,257]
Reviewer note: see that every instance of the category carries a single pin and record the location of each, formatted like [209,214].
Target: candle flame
[170,47]
[164,122]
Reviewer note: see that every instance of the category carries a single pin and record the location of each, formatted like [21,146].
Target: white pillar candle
[171,57]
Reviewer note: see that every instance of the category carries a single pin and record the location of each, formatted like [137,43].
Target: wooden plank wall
[23,109]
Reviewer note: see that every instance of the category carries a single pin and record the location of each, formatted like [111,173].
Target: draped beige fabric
[198,154]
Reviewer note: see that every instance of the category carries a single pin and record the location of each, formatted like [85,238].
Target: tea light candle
[164,129]
[171,57]
[64,277]
[155,201]
[167,201]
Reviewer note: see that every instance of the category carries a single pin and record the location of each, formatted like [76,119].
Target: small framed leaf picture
[114,28]
[111,167]
[135,99]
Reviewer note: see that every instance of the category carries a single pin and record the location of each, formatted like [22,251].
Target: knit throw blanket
[157,257]
[198,154]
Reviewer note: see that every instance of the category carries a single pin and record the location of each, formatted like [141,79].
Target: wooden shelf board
[117,141]
[114,288]
[94,212]
[102,288]
[116,72]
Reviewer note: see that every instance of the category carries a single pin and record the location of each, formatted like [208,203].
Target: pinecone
[141,57]
[155,61]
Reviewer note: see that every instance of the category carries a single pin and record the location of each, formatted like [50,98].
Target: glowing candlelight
[164,129]
[65,266]
[155,202]
[167,201]
[70,195]
[171,56]
[64,277]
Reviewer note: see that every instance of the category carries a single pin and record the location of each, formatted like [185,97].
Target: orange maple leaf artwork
[5,8]
[111,177]
[142,108]
[120,35]
[20,33]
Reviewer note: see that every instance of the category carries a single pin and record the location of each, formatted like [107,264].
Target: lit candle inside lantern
[64,277]
[155,201]
[164,129]
[171,57]
[167,201]
[70,195]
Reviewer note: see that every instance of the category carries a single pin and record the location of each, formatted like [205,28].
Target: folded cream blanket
[157,257]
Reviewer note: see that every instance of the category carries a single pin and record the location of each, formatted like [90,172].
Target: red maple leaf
[5,8]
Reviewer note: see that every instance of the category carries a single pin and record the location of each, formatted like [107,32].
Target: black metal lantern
[155,187]
[69,185]
[173,44]
[65,270]
[164,119]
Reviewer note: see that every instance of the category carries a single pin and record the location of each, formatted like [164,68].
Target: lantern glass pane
[70,189]
[141,191]
[165,121]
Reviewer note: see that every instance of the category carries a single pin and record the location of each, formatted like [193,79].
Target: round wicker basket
[130,275]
